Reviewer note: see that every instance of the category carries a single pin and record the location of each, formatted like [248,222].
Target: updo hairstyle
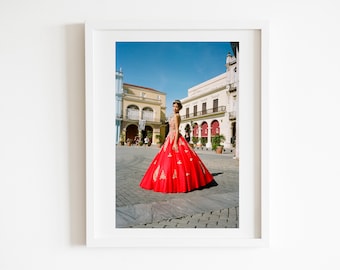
[178,102]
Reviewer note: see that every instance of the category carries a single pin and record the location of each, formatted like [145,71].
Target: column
[208,145]
[199,144]
[191,134]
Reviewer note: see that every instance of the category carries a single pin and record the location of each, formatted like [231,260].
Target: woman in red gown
[176,167]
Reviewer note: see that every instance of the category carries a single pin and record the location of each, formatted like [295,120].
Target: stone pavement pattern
[224,218]
[139,208]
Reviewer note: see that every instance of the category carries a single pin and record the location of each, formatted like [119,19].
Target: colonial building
[119,103]
[211,108]
[142,113]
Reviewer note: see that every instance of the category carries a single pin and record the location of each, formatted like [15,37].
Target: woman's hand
[175,147]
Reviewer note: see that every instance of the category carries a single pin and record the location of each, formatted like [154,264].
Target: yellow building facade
[143,114]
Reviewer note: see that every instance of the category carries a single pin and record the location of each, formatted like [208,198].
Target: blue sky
[171,67]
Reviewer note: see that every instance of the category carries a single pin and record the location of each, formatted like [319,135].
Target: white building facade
[211,108]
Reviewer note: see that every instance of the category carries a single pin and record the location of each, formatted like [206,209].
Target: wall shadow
[75,79]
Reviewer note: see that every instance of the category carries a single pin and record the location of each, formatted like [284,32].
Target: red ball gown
[176,171]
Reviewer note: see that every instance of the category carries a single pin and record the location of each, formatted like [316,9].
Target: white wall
[42,163]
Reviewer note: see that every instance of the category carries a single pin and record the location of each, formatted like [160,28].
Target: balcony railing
[232,88]
[232,115]
[135,118]
[148,115]
[207,112]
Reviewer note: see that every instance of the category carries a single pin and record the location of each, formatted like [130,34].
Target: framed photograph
[162,98]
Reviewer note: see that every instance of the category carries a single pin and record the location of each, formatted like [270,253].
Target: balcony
[134,114]
[148,116]
[135,118]
[150,119]
[232,115]
[208,112]
[232,87]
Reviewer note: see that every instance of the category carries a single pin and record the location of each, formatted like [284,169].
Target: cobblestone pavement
[132,201]
[223,218]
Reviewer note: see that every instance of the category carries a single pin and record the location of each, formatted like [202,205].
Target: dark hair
[178,102]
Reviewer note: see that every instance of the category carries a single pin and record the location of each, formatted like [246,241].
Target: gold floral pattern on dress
[175,171]
[155,174]
[165,146]
[163,176]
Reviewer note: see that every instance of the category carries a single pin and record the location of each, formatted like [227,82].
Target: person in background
[146,141]
[187,136]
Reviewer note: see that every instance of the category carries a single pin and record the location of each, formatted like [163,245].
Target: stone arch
[148,114]
[131,132]
[215,128]
[132,112]
[148,129]
[204,130]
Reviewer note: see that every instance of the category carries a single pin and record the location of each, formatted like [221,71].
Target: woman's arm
[177,121]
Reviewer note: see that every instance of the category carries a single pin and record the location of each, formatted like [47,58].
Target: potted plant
[121,139]
[199,143]
[194,140]
[160,139]
[204,141]
[216,143]
[149,135]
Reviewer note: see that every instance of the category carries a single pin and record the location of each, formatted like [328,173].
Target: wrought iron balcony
[232,115]
[207,112]
[232,87]
[135,118]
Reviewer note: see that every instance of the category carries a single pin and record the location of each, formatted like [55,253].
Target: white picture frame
[100,124]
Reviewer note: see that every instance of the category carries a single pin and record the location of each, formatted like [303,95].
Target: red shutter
[215,128]
[205,129]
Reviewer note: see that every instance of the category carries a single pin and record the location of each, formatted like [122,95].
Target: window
[215,105]
[204,108]
[147,114]
[195,110]
[132,112]
[187,112]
